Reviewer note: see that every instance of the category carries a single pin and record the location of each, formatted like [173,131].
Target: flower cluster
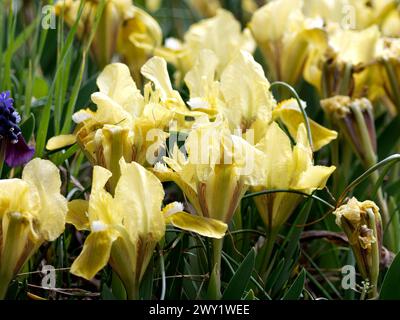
[215,132]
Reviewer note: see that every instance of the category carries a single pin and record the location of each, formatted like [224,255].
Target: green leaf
[292,238]
[40,88]
[389,138]
[106,293]
[22,38]
[250,295]
[296,288]
[146,287]
[390,286]
[59,157]
[28,126]
[238,284]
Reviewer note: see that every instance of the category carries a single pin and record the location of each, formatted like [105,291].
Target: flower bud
[355,120]
[361,222]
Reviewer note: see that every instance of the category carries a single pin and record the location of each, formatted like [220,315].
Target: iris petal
[18,153]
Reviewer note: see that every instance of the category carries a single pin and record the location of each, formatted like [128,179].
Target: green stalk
[163,278]
[217,254]
[375,255]
[10,44]
[335,161]
[3,287]
[132,291]
[345,82]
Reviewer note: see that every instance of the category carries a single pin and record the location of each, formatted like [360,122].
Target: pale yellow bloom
[221,34]
[32,211]
[391,24]
[383,76]
[125,228]
[217,172]
[137,41]
[123,28]
[105,40]
[243,97]
[164,102]
[286,38]
[349,52]
[355,47]
[287,168]
[350,14]
[242,94]
[120,125]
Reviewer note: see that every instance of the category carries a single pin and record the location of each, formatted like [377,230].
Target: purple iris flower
[17,152]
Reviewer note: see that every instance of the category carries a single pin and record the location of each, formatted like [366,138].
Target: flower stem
[346,80]
[375,255]
[132,292]
[217,254]
[3,287]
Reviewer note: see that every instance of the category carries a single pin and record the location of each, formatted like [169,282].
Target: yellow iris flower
[138,40]
[123,29]
[125,228]
[120,125]
[348,53]
[248,105]
[32,211]
[289,168]
[105,40]
[384,75]
[350,14]
[286,38]
[218,171]
[245,103]
[221,34]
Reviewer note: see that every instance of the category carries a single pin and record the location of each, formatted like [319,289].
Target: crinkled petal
[138,196]
[44,177]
